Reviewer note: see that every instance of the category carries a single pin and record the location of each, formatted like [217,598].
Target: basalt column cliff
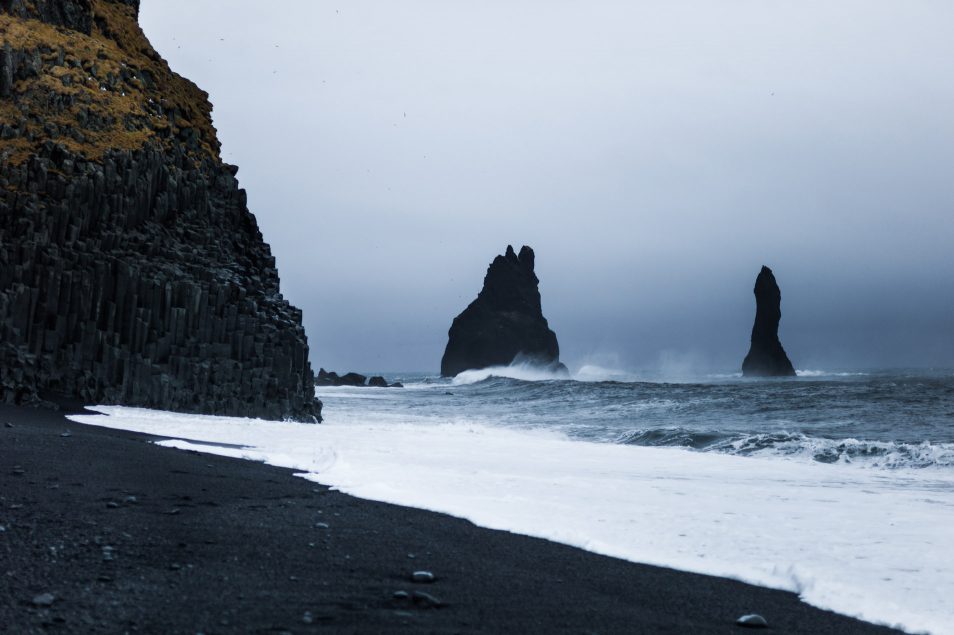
[766,356]
[504,323]
[131,271]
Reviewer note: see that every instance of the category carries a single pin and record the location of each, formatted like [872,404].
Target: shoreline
[129,536]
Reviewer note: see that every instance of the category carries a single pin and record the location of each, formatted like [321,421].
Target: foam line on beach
[869,544]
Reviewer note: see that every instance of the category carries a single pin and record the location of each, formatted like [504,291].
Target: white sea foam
[827,373]
[871,544]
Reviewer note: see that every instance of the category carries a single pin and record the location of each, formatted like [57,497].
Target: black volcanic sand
[131,537]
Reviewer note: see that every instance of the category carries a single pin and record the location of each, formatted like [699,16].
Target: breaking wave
[875,454]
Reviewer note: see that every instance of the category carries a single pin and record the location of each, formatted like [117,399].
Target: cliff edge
[131,270]
[505,322]
[766,356]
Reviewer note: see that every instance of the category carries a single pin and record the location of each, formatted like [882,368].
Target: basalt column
[131,270]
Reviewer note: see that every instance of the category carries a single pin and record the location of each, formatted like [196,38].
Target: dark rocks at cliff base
[505,323]
[131,270]
[766,356]
[357,380]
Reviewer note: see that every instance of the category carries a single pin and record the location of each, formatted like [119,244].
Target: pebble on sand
[44,599]
[425,577]
[752,620]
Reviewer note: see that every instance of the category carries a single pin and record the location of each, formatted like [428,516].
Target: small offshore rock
[378,382]
[753,620]
[44,599]
[424,577]
[426,600]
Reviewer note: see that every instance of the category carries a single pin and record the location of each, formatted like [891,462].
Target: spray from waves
[827,373]
[871,454]
[527,371]
[520,371]
[592,373]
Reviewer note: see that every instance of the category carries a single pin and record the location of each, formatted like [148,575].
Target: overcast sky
[654,154]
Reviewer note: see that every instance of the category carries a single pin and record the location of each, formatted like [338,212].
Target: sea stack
[131,270]
[766,356]
[505,323]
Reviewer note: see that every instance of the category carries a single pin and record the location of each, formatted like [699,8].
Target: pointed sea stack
[766,356]
[131,270]
[504,323]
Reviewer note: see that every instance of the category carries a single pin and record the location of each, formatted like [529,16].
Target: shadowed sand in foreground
[126,536]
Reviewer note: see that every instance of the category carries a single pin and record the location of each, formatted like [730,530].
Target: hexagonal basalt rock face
[131,270]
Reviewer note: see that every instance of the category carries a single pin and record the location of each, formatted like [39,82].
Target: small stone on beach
[66,435]
[307,618]
[9,425]
[752,620]
[112,504]
[322,525]
[425,577]
[401,595]
[44,599]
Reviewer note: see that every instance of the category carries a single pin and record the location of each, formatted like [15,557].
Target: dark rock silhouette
[326,378]
[131,270]
[504,323]
[766,356]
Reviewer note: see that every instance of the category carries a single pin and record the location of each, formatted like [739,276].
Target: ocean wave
[873,454]
[521,371]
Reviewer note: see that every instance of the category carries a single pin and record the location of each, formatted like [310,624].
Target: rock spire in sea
[766,356]
[131,270]
[505,323]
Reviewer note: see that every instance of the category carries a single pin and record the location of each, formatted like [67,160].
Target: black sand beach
[126,536]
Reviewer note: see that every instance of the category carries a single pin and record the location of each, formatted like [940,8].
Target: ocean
[875,418]
[836,485]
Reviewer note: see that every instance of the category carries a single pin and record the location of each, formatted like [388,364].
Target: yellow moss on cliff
[112,77]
